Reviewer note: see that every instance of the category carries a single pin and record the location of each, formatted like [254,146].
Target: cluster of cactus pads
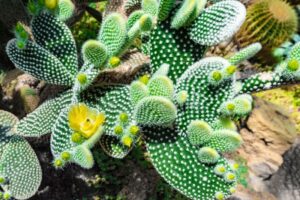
[184,107]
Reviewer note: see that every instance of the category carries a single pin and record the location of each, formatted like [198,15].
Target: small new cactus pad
[65,9]
[113,33]
[155,110]
[150,7]
[164,8]
[20,171]
[269,22]
[94,52]
[245,53]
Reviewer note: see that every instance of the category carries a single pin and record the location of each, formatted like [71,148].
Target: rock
[268,134]
[285,183]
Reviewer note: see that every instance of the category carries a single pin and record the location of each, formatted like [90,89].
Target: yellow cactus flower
[85,120]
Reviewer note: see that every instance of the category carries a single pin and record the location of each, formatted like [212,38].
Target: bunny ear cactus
[52,57]
[20,171]
[185,107]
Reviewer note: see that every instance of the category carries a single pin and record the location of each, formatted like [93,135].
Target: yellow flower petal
[85,120]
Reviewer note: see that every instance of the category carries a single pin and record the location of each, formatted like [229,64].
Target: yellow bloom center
[85,120]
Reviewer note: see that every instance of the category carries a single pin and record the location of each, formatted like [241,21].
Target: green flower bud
[134,129]
[114,61]
[82,78]
[65,156]
[293,65]
[118,129]
[76,137]
[123,117]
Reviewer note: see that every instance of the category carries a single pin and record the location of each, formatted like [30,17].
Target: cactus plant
[269,22]
[20,171]
[184,106]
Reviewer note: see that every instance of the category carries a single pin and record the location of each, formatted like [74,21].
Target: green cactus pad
[164,8]
[225,140]
[39,62]
[150,7]
[7,123]
[203,99]
[113,101]
[176,49]
[199,132]
[206,30]
[138,91]
[134,17]
[7,119]
[208,155]
[40,121]
[20,166]
[161,86]
[61,134]
[295,52]
[58,41]
[184,14]
[65,9]
[176,160]
[155,110]
[224,123]
[83,157]
[113,33]
[94,52]
[245,53]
